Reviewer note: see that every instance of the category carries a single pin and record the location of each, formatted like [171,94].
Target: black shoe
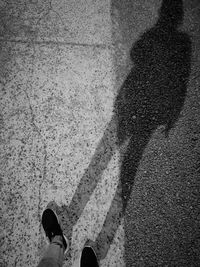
[88,257]
[52,227]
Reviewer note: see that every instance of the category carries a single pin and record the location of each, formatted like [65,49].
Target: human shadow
[152,95]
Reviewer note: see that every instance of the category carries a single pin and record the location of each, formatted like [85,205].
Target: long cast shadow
[153,94]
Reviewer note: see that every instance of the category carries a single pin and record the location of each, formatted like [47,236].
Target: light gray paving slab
[55,105]
[85,22]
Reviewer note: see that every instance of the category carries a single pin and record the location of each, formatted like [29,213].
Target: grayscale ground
[62,64]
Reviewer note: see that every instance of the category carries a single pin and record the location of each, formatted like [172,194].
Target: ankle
[58,240]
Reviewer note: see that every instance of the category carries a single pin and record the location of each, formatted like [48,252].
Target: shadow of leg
[130,162]
[110,226]
[92,175]
[106,148]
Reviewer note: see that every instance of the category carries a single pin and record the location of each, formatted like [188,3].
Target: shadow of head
[171,13]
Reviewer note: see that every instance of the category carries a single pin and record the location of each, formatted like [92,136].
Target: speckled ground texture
[61,66]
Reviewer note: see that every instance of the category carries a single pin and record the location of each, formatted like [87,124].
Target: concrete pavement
[62,64]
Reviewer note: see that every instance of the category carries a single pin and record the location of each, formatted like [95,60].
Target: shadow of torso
[153,93]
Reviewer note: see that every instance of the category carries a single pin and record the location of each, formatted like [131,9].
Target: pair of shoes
[52,228]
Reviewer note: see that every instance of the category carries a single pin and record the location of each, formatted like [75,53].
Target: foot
[52,227]
[88,257]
